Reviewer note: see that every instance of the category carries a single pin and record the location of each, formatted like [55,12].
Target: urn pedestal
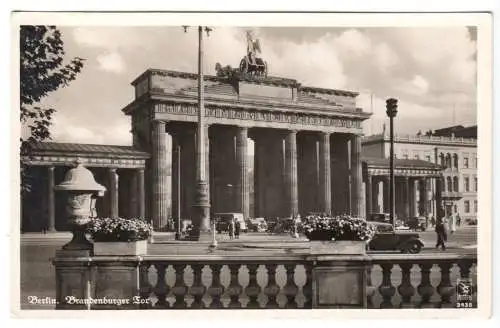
[132,248]
[340,274]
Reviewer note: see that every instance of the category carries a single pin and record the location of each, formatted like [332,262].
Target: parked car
[257,225]
[379,217]
[222,221]
[417,223]
[388,239]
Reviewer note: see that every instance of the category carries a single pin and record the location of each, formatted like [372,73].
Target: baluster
[406,290]
[216,289]
[197,289]
[161,289]
[179,289]
[386,289]
[307,288]
[445,289]
[425,289]
[253,289]
[272,289]
[145,285]
[234,289]
[370,289]
[290,289]
[465,267]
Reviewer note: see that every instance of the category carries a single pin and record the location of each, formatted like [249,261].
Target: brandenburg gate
[307,145]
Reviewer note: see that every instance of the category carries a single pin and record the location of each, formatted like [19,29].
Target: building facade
[456,155]
[307,151]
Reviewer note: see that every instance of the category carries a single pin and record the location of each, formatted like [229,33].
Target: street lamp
[392,110]
[201,206]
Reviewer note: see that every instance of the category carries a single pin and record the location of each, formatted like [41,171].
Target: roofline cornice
[247,104]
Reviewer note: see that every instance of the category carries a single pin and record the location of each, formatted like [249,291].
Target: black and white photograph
[253,162]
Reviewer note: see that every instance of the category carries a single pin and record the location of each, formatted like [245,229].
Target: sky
[431,70]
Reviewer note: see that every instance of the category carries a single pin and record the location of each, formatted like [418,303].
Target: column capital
[159,124]
[112,169]
[325,133]
[51,167]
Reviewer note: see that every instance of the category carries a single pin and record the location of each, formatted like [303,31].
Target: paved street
[38,276]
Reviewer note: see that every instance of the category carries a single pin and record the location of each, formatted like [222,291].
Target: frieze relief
[253,115]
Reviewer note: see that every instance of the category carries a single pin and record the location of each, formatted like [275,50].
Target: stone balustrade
[263,281]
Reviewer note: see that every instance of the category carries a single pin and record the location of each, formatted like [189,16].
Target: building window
[455,161]
[405,156]
[448,160]
[466,184]
[474,162]
[475,184]
[449,187]
[466,162]
[455,208]
[475,206]
[416,156]
[441,159]
[428,158]
[466,206]
[455,184]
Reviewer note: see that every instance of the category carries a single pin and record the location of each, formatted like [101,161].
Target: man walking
[441,233]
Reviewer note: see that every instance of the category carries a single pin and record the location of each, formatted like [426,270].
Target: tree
[42,71]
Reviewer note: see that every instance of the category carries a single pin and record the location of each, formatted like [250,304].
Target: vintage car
[388,239]
[418,223]
[257,225]
[223,219]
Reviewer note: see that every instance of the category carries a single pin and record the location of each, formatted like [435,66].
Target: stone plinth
[340,282]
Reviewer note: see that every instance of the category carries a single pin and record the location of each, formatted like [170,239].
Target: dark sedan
[388,239]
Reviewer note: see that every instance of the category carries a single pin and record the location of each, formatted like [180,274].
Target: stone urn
[79,186]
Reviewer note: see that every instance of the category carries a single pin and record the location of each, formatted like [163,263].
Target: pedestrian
[441,233]
[453,224]
[237,228]
[230,229]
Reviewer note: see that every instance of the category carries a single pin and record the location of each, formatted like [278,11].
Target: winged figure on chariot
[252,64]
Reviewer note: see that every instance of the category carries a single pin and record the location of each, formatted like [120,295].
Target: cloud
[111,62]
[430,70]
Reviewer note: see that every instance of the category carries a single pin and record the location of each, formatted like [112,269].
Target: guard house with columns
[119,168]
[307,145]
[418,187]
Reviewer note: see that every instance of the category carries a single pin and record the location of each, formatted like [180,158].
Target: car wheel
[414,248]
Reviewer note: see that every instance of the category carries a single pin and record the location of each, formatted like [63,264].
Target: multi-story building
[457,155]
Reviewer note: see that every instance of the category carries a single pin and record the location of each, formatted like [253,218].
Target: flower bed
[118,230]
[337,228]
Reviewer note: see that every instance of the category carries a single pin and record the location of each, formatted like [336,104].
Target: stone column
[176,184]
[369,194]
[242,183]
[260,175]
[380,196]
[357,178]
[113,192]
[291,173]
[416,197]
[159,193]
[51,201]
[407,199]
[422,192]
[325,173]
[133,200]
[439,203]
[141,196]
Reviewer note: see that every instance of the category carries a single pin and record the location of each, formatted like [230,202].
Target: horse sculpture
[252,66]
